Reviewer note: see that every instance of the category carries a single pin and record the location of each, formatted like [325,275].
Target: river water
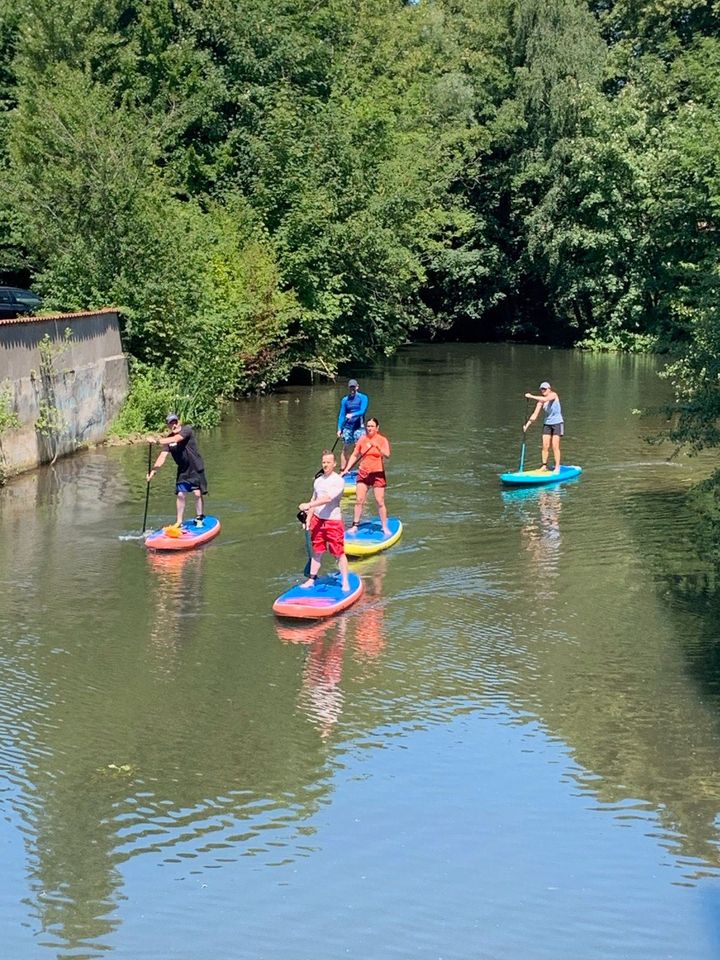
[509,749]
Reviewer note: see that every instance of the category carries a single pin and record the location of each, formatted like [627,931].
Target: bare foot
[386,533]
[345,587]
[556,470]
[308,583]
[353,529]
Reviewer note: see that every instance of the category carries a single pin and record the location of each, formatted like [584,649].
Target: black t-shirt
[190,466]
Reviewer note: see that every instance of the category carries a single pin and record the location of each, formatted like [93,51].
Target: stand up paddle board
[321,600]
[350,483]
[370,538]
[527,478]
[190,535]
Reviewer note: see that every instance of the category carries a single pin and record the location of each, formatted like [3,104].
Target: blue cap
[171,418]
[353,383]
[544,385]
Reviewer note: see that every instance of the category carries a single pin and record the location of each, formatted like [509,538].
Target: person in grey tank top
[553,426]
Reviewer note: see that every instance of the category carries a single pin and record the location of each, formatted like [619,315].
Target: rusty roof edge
[59,316]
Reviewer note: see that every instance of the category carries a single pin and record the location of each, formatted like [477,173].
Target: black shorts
[553,429]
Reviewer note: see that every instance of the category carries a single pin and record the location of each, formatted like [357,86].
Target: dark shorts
[327,535]
[374,479]
[553,429]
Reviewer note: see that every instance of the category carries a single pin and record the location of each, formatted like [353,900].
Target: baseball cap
[171,417]
[353,383]
[544,385]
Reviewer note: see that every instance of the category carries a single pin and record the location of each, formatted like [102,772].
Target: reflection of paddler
[321,694]
[176,596]
[542,531]
[370,625]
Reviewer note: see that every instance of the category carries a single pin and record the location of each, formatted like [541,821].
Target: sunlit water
[508,750]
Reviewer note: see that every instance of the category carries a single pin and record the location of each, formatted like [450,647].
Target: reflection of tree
[108,757]
[620,695]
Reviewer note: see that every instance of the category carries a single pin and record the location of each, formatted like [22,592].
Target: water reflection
[539,512]
[362,629]
[177,592]
[149,715]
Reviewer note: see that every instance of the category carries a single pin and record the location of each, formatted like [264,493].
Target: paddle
[147,487]
[524,435]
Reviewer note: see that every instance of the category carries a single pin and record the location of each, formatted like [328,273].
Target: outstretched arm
[341,416]
[536,412]
[162,457]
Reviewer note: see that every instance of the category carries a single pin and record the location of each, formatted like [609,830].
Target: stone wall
[65,387]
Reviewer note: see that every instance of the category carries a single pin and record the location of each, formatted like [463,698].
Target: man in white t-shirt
[324,521]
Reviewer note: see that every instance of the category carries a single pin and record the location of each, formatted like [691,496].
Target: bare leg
[344,570]
[556,451]
[361,493]
[314,569]
[179,507]
[198,503]
[545,449]
[382,509]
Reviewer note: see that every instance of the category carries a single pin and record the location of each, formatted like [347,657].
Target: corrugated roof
[59,316]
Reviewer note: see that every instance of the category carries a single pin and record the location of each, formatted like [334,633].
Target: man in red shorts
[324,521]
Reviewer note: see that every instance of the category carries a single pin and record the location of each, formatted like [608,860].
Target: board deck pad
[190,537]
[370,538]
[536,477]
[324,599]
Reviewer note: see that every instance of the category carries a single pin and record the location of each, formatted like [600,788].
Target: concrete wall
[71,400]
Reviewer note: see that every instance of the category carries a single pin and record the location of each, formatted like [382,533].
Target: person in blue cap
[181,446]
[351,420]
[553,425]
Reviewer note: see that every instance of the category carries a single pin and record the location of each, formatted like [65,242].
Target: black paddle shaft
[147,487]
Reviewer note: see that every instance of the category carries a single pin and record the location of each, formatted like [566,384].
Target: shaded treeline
[271,185]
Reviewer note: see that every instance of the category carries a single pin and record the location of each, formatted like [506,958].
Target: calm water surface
[509,750]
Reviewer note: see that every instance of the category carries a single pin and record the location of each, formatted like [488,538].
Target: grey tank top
[553,412]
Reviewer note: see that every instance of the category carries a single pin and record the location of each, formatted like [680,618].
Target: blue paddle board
[187,537]
[531,478]
[370,538]
[321,600]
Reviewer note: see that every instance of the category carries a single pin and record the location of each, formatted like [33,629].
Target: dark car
[10,306]
[24,296]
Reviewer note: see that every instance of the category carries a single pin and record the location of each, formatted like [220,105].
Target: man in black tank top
[181,446]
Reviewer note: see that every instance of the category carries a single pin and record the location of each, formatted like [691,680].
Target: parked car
[25,296]
[10,306]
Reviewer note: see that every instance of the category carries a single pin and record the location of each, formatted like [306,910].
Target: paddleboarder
[351,420]
[324,521]
[371,450]
[553,425]
[181,445]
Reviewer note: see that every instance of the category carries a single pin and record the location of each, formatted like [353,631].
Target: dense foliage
[266,185]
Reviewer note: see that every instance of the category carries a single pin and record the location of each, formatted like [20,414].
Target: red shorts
[327,535]
[374,479]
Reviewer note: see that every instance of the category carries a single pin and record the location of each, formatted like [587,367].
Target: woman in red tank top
[371,451]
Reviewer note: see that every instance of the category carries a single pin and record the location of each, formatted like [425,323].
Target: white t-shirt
[331,486]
